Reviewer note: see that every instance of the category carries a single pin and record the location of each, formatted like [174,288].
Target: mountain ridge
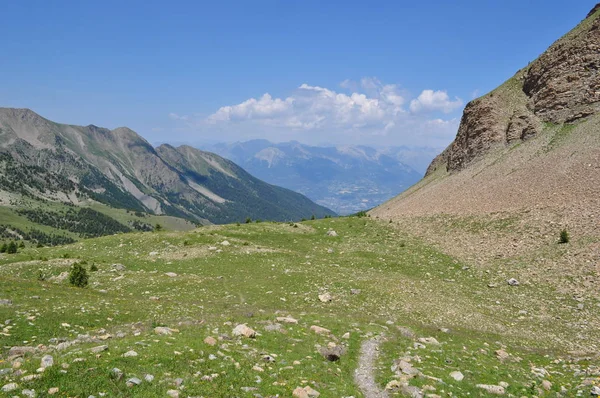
[120,168]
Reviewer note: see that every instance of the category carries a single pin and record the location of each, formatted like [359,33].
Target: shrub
[11,248]
[22,245]
[361,214]
[564,236]
[3,248]
[248,220]
[312,217]
[303,219]
[40,276]
[93,267]
[158,227]
[78,276]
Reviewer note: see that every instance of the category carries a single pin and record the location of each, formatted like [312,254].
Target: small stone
[457,375]
[119,267]
[210,341]
[393,385]
[173,393]
[429,340]
[130,353]
[325,297]
[98,349]
[513,282]
[116,374]
[134,381]
[502,355]
[286,319]
[171,274]
[47,361]
[257,369]
[491,389]
[53,390]
[9,387]
[149,378]
[331,232]
[319,330]
[5,302]
[225,243]
[311,391]
[595,391]
[332,352]
[346,335]
[244,330]
[299,392]
[28,393]
[163,330]
[355,291]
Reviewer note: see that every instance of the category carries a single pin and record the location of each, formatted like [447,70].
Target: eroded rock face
[564,82]
[561,86]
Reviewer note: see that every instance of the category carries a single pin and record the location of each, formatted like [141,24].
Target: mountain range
[346,179]
[77,165]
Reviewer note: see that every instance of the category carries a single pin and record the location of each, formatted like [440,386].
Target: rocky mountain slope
[346,179]
[525,165]
[41,159]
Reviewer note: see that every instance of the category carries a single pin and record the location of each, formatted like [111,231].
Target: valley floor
[163,306]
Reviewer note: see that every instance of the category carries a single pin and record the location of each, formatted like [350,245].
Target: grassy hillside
[382,282]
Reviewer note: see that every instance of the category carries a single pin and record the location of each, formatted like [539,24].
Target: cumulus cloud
[430,101]
[360,112]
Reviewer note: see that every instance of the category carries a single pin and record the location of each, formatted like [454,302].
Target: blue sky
[380,73]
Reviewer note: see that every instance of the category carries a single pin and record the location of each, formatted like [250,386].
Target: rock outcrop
[561,86]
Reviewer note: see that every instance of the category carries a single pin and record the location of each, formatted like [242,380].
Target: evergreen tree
[12,248]
[78,276]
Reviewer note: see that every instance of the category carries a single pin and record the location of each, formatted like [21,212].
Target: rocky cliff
[561,86]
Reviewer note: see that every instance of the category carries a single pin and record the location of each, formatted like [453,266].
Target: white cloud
[175,116]
[431,101]
[365,112]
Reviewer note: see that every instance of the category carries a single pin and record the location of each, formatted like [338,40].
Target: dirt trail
[365,373]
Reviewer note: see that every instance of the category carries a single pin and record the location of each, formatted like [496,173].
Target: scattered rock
[319,330]
[355,291]
[134,381]
[429,340]
[149,378]
[225,243]
[306,392]
[457,375]
[331,232]
[171,274]
[286,319]
[244,330]
[29,393]
[98,349]
[346,335]
[118,267]
[130,353]
[411,391]
[20,351]
[491,389]
[325,297]
[502,355]
[5,302]
[116,374]
[163,330]
[332,353]
[53,390]
[60,278]
[513,282]
[47,361]
[210,341]
[595,391]
[9,387]
[173,393]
